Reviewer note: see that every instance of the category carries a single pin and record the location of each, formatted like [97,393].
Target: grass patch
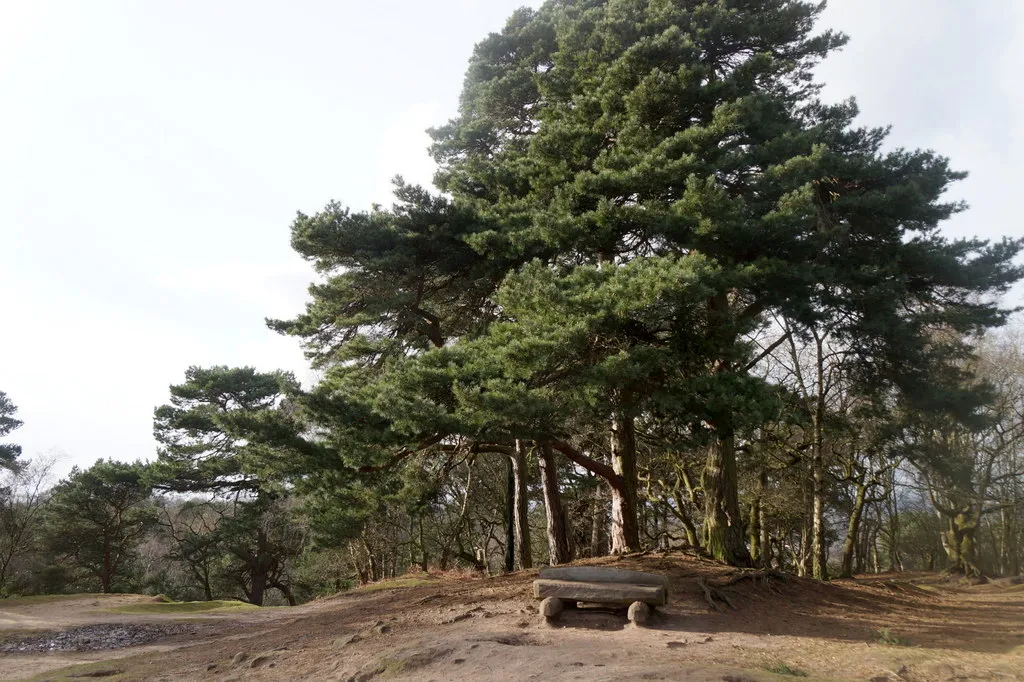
[104,670]
[396,584]
[162,607]
[889,638]
[784,669]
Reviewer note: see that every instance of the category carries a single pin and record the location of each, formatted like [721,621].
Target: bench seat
[600,593]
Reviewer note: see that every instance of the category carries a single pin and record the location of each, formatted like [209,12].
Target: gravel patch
[95,637]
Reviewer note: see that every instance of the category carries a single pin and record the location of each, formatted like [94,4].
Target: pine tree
[9,452]
[596,133]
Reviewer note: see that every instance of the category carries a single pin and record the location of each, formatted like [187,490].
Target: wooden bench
[642,592]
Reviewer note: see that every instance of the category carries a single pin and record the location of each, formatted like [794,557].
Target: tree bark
[524,551]
[852,531]
[723,524]
[819,551]
[625,534]
[961,543]
[257,586]
[558,542]
[424,557]
[510,517]
[756,522]
[679,511]
[597,525]
[819,565]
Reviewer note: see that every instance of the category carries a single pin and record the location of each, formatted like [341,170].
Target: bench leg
[639,612]
[551,607]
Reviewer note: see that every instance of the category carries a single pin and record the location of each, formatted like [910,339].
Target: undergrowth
[785,669]
[394,584]
[889,638]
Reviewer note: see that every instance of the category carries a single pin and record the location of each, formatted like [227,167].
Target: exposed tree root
[712,595]
[715,595]
[765,578]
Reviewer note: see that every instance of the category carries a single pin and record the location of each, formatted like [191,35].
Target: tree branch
[588,463]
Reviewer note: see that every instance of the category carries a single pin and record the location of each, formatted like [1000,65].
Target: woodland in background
[667,298]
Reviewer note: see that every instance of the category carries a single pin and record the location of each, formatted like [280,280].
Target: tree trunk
[424,557]
[756,522]
[510,517]
[625,533]
[895,562]
[286,590]
[257,587]
[684,518]
[819,565]
[803,558]
[522,507]
[723,524]
[852,531]
[754,531]
[961,545]
[558,542]
[1007,537]
[598,523]
[819,552]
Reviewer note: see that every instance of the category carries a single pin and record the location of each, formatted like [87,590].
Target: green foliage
[9,452]
[784,669]
[226,431]
[889,638]
[637,190]
[176,607]
[97,517]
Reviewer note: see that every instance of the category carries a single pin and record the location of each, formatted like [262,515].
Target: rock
[456,619]
[551,607]
[349,639]
[238,658]
[95,637]
[258,661]
[601,593]
[382,629]
[211,666]
[639,613]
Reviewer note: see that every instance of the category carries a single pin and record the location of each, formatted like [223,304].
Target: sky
[153,156]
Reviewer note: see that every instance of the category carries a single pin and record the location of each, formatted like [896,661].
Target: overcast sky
[153,155]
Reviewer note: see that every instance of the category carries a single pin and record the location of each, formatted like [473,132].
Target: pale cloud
[402,150]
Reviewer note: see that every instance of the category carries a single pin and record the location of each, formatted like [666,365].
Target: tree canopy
[9,452]
[637,190]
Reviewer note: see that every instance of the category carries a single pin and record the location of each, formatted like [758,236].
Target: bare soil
[474,628]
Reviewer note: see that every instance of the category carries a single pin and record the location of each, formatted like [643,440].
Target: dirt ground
[464,627]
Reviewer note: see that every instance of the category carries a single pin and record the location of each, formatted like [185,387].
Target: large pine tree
[597,133]
[635,187]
